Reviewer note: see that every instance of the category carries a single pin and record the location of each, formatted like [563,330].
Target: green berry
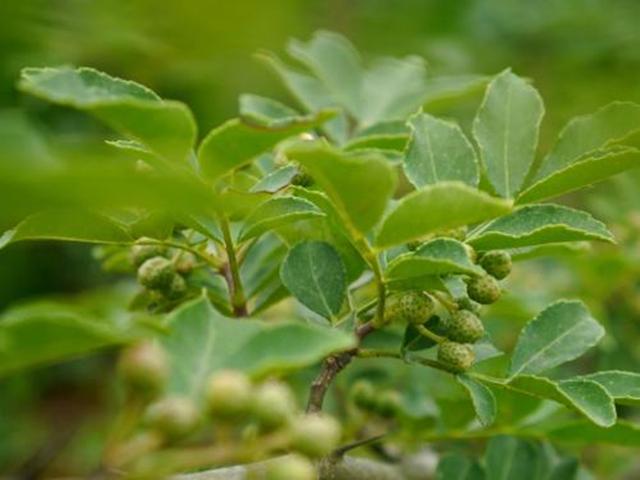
[483,289]
[228,394]
[291,467]
[273,404]
[464,327]
[459,233]
[177,289]
[409,307]
[465,303]
[140,253]
[173,416]
[363,395]
[496,263]
[388,404]
[156,273]
[302,179]
[315,435]
[144,367]
[414,245]
[459,357]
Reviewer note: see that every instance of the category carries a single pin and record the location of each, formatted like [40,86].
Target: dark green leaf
[510,458]
[624,387]
[314,273]
[455,466]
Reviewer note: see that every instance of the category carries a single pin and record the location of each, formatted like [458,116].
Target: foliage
[360,205]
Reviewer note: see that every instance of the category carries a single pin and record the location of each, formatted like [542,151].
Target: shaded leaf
[482,398]
[439,151]
[276,212]
[506,128]
[510,458]
[561,332]
[585,433]
[314,273]
[202,341]
[437,207]
[359,185]
[455,466]
[166,127]
[539,224]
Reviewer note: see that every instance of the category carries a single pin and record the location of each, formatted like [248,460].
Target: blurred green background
[581,54]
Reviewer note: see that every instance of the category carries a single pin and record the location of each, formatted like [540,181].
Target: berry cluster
[263,414]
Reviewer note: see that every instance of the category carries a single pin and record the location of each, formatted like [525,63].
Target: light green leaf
[337,64]
[436,257]
[561,332]
[359,185]
[586,134]
[435,208]
[539,224]
[314,273]
[443,91]
[67,225]
[455,466]
[510,458]
[265,112]
[438,151]
[482,398]
[276,212]
[624,387]
[201,341]
[275,180]
[506,128]
[166,127]
[235,143]
[592,168]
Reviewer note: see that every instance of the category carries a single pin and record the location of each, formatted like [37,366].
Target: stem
[444,300]
[232,272]
[425,332]
[374,353]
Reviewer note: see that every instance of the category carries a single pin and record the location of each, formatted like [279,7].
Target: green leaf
[236,143]
[583,396]
[201,341]
[592,168]
[506,128]
[436,257]
[276,180]
[276,212]
[443,91]
[166,127]
[337,64]
[510,458]
[561,332]
[624,387]
[438,151]
[566,469]
[314,273]
[482,398]
[586,134]
[539,224]
[455,466]
[48,331]
[67,225]
[359,185]
[265,112]
[583,433]
[436,208]
[378,141]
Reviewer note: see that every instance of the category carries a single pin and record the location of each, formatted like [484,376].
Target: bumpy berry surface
[156,273]
[410,307]
[141,253]
[459,357]
[483,289]
[229,393]
[315,435]
[174,416]
[496,263]
[464,327]
[177,289]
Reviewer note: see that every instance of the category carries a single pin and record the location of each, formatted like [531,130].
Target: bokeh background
[581,54]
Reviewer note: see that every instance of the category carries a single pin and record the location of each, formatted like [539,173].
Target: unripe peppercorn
[315,435]
[458,233]
[156,273]
[497,263]
[302,179]
[228,394]
[173,416]
[144,367]
[291,467]
[483,289]
[363,395]
[273,404]
[458,357]
[141,252]
[177,289]
[464,327]
[409,307]
[388,404]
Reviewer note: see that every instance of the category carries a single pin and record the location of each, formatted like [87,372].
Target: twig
[231,273]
